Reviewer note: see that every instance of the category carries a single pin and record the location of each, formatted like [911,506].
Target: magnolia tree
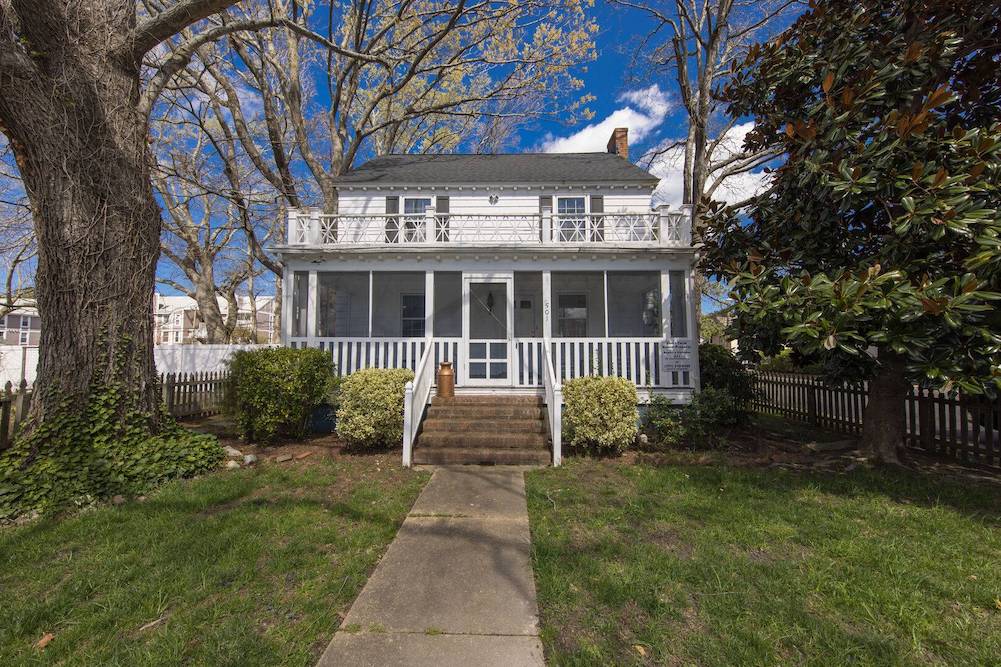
[876,246]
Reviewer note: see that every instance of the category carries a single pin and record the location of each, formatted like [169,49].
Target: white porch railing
[554,405]
[636,359]
[660,228]
[352,354]
[415,398]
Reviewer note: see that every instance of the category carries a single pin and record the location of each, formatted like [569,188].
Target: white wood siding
[477,202]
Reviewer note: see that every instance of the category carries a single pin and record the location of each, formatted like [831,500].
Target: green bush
[371,407]
[720,370]
[274,391]
[600,414]
[662,423]
[700,424]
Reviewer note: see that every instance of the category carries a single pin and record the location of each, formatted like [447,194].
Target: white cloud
[645,110]
[669,167]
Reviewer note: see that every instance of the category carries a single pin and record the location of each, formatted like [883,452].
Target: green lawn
[721,565]
[244,568]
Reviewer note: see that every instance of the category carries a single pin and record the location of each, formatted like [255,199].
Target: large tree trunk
[883,426]
[80,145]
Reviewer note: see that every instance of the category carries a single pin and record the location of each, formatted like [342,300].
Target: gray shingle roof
[540,168]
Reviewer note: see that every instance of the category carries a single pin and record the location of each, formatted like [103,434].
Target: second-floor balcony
[660,228]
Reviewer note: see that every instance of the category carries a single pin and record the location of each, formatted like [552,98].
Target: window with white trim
[414,218]
[572,315]
[572,215]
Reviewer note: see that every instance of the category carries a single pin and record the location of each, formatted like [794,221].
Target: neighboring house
[507,265]
[176,319]
[21,326]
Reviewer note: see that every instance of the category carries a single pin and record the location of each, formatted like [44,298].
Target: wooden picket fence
[194,394]
[185,394]
[948,425]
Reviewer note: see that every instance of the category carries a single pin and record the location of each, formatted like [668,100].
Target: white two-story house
[524,270]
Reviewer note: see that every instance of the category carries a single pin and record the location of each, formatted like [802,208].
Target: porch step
[436,424]
[494,412]
[487,399]
[481,440]
[482,456]
[484,429]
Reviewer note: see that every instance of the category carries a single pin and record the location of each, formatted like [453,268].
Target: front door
[487,325]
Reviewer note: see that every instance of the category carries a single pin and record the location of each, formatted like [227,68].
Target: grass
[251,567]
[725,565]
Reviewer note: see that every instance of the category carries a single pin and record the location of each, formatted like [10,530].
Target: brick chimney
[618,143]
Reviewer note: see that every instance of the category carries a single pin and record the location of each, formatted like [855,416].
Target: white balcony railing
[660,228]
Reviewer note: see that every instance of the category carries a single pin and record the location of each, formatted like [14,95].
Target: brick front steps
[498,430]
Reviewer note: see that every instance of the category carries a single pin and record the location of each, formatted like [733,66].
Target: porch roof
[477,169]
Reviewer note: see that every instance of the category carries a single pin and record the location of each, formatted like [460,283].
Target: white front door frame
[507,278]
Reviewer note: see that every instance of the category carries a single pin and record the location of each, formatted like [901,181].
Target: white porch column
[429,226]
[286,305]
[429,305]
[691,294]
[312,314]
[665,323]
[314,226]
[371,306]
[547,306]
[604,286]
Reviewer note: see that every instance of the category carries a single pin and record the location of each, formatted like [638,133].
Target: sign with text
[675,355]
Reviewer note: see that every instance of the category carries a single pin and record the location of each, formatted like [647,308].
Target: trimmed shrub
[273,391]
[600,414]
[720,370]
[371,407]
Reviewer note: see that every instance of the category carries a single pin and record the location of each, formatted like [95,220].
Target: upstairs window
[414,219]
[572,219]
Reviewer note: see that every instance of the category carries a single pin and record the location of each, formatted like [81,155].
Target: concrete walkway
[455,586]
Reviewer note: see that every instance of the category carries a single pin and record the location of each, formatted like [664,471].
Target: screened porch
[493,325]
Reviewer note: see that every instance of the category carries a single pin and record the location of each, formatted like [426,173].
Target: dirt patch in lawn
[768,442]
[313,449]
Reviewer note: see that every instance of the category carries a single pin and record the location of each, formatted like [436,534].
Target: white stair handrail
[415,397]
[554,404]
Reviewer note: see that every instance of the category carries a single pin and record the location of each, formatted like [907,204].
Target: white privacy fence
[21,362]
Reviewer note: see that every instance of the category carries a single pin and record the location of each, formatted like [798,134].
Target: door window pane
[498,371]
[488,311]
[477,370]
[572,313]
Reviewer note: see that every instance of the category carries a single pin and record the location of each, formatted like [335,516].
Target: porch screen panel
[300,302]
[679,306]
[579,304]
[528,304]
[398,304]
[634,303]
[447,304]
[342,300]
